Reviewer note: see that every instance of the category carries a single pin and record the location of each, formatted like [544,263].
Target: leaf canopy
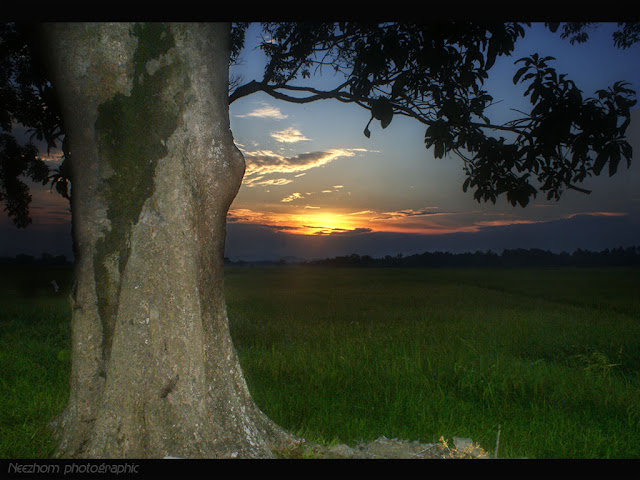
[432,72]
[435,72]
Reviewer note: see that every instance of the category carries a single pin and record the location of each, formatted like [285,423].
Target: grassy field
[551,357]
[34,357]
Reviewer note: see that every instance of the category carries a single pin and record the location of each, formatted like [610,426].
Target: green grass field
[549,356]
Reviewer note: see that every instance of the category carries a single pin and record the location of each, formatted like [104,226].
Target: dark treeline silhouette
[44,259]
[519,257]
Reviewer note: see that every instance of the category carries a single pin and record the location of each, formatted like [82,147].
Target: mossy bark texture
[154,171]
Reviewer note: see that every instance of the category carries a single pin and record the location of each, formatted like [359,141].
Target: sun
[321,223]
[305,221]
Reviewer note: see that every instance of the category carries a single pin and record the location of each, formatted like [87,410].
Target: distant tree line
[44,259]
[519,257]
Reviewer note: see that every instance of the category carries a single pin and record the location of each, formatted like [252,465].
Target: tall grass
[551,357]
[349,355]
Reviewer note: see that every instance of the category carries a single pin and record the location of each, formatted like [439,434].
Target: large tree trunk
[154,170]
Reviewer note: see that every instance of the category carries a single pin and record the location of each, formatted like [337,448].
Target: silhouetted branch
[581,190]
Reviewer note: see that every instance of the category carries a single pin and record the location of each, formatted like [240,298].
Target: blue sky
[315,186]
[365,191]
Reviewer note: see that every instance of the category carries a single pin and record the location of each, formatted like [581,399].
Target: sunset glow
[311,174]
[323,222]
[315,185]
[304,222]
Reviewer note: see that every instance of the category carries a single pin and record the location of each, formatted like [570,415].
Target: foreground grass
[34,358]
[551,357]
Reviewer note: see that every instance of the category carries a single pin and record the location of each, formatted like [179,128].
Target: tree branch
[581,190]
[245,90]
[338,94]
[273,90]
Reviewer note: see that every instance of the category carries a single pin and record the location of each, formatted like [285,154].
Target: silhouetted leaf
[553,26]
[614,159]
[438,149]
[627,151]
[491,58]
[382,110]
[601,160]
[519,73]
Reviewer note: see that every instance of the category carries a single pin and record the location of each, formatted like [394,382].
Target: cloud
[500,223]
[588,232]
[291,198]
[250,182]
[599,214]
[361,212]
[408,213]
[270,220]
[298,196]
[267,111]
[305,222]
[336,231]
[276,228]
[263,162]
[53,158]
[289,135]
[345,231]
[243,215]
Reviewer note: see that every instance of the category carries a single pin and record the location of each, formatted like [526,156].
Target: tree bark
[154,171]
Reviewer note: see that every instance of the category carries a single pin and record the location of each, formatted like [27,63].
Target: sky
[316,187]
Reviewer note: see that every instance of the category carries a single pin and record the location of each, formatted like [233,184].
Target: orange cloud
[322,221]
[314,220]
[599,214]
[260,180]
[501,223]
[291,198]
[409,213]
